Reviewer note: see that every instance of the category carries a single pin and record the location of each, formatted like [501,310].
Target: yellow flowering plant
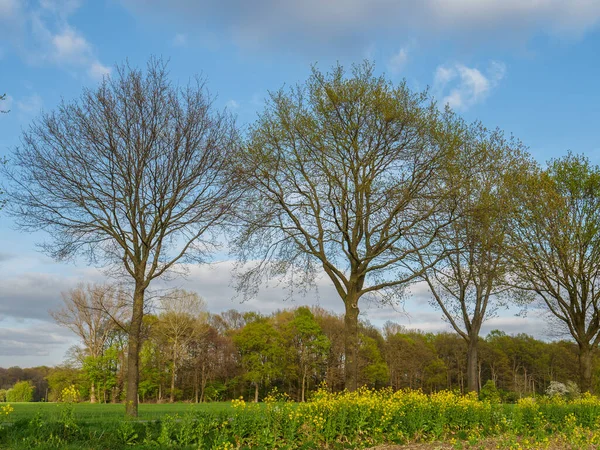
[70,394]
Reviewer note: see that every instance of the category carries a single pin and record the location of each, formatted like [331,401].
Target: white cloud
[98,71]
[350,23]
[70,46]
[462,87]
[179,40]
[232,104]
[43,35]
[398,61]
[28,292]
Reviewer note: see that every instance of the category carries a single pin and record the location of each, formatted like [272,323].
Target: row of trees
[192,355]
[346,176]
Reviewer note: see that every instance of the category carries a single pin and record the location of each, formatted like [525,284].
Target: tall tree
[555,249]
[468,283]
[342,174]
[309,346]
[134,175]
[92,312]
[179,322]
[261,350]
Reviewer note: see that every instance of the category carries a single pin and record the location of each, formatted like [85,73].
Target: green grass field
[337,421]
[109,412]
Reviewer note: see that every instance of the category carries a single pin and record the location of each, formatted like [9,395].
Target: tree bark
[255,392]
[351,343]
[303,383]
[196,385]
[93,393]
[173,370]
[472,367]
[585,368]
[133,353]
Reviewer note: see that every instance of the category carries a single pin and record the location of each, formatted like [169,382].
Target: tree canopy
[135,175]
[344,176]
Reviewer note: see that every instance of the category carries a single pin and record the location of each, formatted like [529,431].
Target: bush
[489,392]
[22,391]
[570,390]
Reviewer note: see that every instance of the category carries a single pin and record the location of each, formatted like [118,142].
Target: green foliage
[2,395]
[102,370]
[22,391]
[489,392]
[375,371]
[363,419]
[214,391]
[60,379]
[260,346]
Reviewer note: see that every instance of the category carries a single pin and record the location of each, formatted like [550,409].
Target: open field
[113,412]
[365,419]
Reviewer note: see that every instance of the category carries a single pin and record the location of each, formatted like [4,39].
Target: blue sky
[529,68]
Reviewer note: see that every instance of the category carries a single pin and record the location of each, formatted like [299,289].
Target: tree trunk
[255,392]
[303,383]
[196,385]
[472,372]
[203,382]
[479,375]
[133,366]
[585,368]
[351,343]
[93,393]
[172,395]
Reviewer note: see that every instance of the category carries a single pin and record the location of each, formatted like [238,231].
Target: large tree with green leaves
[262,352]
[555,249]
[309,347]
[135,175]
[473,278]
[344,179]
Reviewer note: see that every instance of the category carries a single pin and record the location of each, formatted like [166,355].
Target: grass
[336,421]
[103,412]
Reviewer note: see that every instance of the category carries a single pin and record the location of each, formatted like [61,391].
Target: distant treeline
[191,355]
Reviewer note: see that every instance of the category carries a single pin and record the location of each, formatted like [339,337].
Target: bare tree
[344,177]
[92,312]
[472,280]
[3,98]
[555,249]
[182,314]
[134,175]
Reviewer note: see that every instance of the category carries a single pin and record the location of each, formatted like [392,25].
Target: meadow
[109,412]
[362,419]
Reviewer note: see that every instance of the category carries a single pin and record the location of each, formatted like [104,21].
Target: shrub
[556,388]
[22,391]
[489,392]
[570,390]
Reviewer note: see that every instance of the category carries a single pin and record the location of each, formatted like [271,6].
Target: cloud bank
[28,336]
[347,22]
